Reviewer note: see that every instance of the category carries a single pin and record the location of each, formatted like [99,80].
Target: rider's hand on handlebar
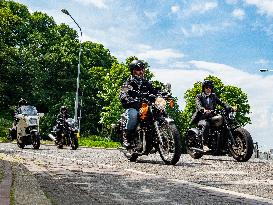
[207,111]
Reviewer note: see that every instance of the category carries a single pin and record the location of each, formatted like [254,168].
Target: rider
[135,88]
[63,115]
[22,102]
[205,103]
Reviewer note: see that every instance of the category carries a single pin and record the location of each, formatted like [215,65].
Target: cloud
[201,7]
[262,62]
[264,6]
[238,13]
[97,3]
[232,2]
[197,30]
[259,97]
[175,8]
[162,55]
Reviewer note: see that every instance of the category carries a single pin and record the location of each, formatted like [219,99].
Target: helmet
[63,108]
[136,64]
[22,102]
[207,83]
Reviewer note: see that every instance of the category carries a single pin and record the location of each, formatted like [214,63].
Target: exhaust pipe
[52,137]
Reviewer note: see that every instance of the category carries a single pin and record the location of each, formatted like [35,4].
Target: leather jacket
[206,102]
[136,90]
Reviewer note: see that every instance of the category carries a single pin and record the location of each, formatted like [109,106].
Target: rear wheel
[193,141]
[242,150]
[169,143]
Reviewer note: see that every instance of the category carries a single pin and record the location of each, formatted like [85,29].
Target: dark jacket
[134,91]
[202,103]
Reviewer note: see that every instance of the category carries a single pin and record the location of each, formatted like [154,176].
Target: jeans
[131,115]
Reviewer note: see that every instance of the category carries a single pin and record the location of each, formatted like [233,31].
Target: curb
[5,184]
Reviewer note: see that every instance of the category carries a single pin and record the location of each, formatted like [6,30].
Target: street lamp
[78,77]
[265,70]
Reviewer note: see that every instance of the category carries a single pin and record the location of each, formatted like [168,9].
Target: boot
[127,139]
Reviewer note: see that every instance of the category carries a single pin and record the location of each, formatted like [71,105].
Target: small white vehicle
[27,127]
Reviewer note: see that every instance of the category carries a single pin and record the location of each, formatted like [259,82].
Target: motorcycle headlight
[160,103]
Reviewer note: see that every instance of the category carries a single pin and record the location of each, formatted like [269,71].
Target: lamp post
[78,77]
[266,70]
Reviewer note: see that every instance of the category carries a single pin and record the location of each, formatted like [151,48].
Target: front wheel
[193,144]
[74,142]
[35,140]
[169,143]
[242,150]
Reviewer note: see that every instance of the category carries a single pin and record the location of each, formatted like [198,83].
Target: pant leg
[131,115]
[204,129]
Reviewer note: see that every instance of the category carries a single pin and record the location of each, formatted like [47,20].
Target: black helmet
[136,64]
[22,102]
[207,83]
[63,108]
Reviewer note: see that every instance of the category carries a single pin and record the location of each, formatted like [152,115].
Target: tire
[193,140]
[35,140]
[20,145]
[243,148]
[74,142]
[169,145]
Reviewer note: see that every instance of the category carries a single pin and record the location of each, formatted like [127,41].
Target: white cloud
[259,94]
[162,56]
[97,3]
[264,6]
[175,8]
[238,13]
[262,62]
[201,7]
[232,1]
[202,29]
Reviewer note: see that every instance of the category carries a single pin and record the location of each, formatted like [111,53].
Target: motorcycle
[26,129]
[65,133]
[225,137]
[155,132]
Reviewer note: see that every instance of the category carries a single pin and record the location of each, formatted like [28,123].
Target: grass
[97,141]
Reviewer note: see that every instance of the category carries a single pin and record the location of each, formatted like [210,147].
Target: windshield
[27,110]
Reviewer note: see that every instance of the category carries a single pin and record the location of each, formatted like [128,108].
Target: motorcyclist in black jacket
[134,90]
[206,102]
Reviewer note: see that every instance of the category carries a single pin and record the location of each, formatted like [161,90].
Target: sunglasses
[139,69]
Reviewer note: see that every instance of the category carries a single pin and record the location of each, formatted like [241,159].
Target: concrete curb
[5,184]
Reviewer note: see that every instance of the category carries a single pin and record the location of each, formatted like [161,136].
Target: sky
[184,41]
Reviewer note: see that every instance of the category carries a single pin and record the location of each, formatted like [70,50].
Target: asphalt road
[105,176]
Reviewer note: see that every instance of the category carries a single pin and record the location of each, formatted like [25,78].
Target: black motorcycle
[65,133]
[225,137]
[155,132]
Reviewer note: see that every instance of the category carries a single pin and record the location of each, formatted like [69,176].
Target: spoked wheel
[35,140]
[242,150]
[169,143]
[193,145]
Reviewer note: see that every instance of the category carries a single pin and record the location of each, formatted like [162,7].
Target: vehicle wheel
[193,141]
[74,143]
[169,143]
[242,150]
[35,140]
[20,145]
[133,157]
